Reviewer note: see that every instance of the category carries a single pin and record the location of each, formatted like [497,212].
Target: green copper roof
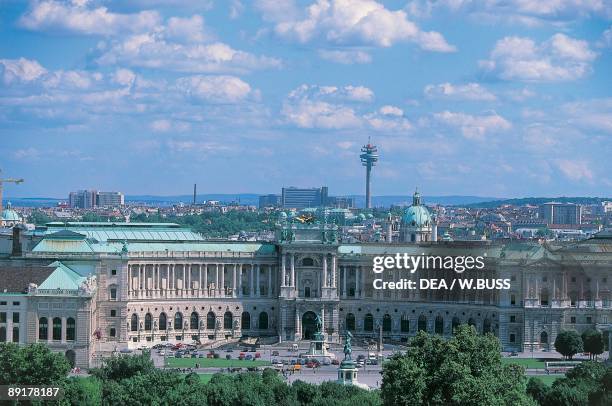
[62,278]
[124,231]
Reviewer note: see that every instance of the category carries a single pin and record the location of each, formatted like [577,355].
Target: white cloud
[165,125]
[186,29]
[594,116]
[21,70]
[365,22]
[560,58]
[345,57]
[124,77]
[606,39]
[349,93]
[76,17]
[389,123]
[153,51]
[215,89]
[391,111]
[525,12]
[319,114]
[474,127]
[576,170]
[469,91]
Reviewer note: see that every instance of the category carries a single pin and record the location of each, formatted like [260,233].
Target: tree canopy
[568,343]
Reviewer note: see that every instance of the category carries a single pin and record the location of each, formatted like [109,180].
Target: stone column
[205,280]
[325,270]
[333,271]
[257,288]
[199,280]
[251,287]
[222,284]
[363,282]
[50,328]
[344,276]
[129,281]
[283,269]
[234,290]
[217,279]
[269,280]
[63,329]
[239,280]
[293,270]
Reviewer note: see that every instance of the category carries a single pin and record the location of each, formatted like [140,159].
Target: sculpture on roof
[347,345]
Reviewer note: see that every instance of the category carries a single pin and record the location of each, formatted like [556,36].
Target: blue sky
[498,98]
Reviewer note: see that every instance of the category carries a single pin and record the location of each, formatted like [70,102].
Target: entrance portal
[309,325]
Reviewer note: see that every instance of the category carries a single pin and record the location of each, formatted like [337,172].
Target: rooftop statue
[319,324]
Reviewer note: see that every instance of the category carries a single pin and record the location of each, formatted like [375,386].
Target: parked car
[228,356]
[326,361]
[200,355]
[248,357]
[335,362]
[275,353]
[241,356]
[229,350]
[178,355]
[257,355]
[194,355]
[274,361]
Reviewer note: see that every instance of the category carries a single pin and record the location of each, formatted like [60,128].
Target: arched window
[486,326]
[422,323]
[405,324]
[439,325]
[57,328]
[544,337]
[16,334]
[245,321]
[544,297]
[70,329]
[307,262]
[210,320]
[178,321]
[456,323]
[163,322]
[263,321]
[350,322]
[227,320]
[148,322]
[386,322]
[194,321]
[368,322]
[471,322]
[43,329]
[134,322]
[2,334]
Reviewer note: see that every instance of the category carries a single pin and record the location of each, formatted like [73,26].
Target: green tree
[34,364]
[568,343]
[593,342]
[466,370]
[124,366]
[82,392]
[579,385]
[39,218]
[537,389]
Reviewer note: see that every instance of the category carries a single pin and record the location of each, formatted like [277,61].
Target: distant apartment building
[110,199]
[561,213]
[87,199]
[300,198]
[270,201]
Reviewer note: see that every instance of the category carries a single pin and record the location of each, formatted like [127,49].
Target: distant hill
[539,200]
[377,201]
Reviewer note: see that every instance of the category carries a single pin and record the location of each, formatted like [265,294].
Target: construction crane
[7,180]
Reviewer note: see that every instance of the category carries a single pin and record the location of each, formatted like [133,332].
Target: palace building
[89,289]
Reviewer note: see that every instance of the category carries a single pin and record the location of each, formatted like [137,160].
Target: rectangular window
[113,293]
[512,338]
[16,318]
[3,303]
[512,319]
[589,319]
[513,278]
[16,303]
[113,272]
[512,300]
[113,332]
[179,338]
[2,317]
[15,334]
[113,313]
[573,320]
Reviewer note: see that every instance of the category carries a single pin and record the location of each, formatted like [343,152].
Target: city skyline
[152,97]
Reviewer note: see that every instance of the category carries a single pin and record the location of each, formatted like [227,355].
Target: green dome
[9,214]
[416,215]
